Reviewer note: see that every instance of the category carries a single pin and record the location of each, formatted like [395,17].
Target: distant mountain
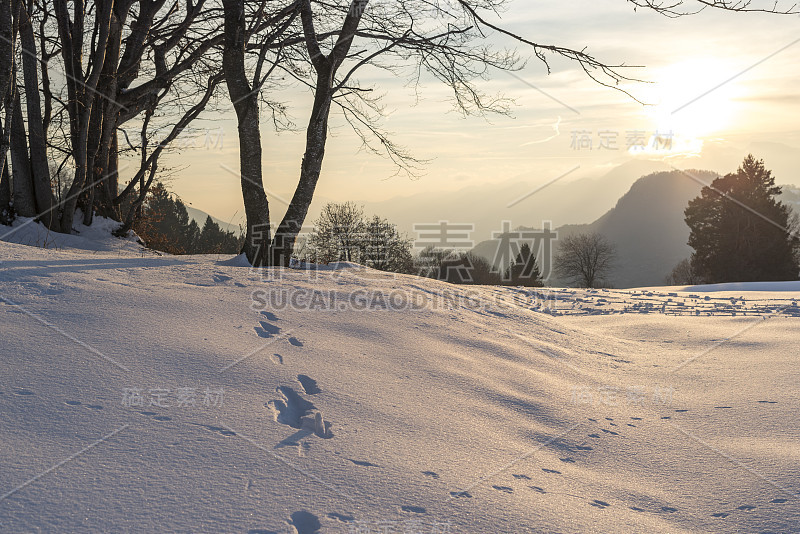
[199,216]
[564,202]
[646,225]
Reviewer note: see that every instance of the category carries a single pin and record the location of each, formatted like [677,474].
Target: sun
[693,98]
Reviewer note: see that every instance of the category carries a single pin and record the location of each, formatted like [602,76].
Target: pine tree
[525,270]
[739,231]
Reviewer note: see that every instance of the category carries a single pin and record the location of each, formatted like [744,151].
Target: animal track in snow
[220,278]
[413,509]
[23,392]
[341,517]
[551,471]
[299,413]
[270,316]
[460,494]
[599,504]
[291,409]
[504,489]
[79,403]
[521,477]
[363,463]
[309,384]
[216,429]
[305,522]
[267,330]
[430,474]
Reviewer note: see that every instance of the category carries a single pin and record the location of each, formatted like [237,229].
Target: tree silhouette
[739,231]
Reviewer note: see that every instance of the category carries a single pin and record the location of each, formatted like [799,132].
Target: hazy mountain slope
[646,225]
[199,216]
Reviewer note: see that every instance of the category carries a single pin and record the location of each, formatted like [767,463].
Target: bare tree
[338,233]
[585,259]
[683,274]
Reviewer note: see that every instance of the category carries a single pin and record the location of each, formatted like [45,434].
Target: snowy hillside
[193,394]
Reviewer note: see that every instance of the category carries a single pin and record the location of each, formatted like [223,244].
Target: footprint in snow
[668,509]
[220,278]
[746,508]
[363,463]
[767,402]
[341,517]
[156,417]
[79,403]
[551,471]
[720,514]
[267,330]
[23,392]
[309,384]
[413,509]
[599,504]
[504,489]
[299,413]
[567,460]
[779,500]
[461,494]
[269,315]
[594,435]
[305,522]
[296,342]
[277,358]
[521,477]
[610,432]
[216,429]
[537,489]
[430,474]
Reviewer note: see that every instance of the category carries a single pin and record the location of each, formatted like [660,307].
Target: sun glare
[691,99]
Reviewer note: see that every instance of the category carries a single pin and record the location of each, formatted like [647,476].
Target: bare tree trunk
[22,183]
[317,130]
[71,33]
[40,170]
[7,40]
[245,102]
[310,170]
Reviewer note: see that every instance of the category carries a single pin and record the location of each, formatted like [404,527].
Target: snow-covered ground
[193,394]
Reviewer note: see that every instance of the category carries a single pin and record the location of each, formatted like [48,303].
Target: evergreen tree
[739,231]
[213,240]
[525,270]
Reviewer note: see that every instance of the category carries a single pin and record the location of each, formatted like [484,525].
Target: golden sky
[717,79]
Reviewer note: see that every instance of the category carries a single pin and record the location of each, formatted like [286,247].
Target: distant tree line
[164,224]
